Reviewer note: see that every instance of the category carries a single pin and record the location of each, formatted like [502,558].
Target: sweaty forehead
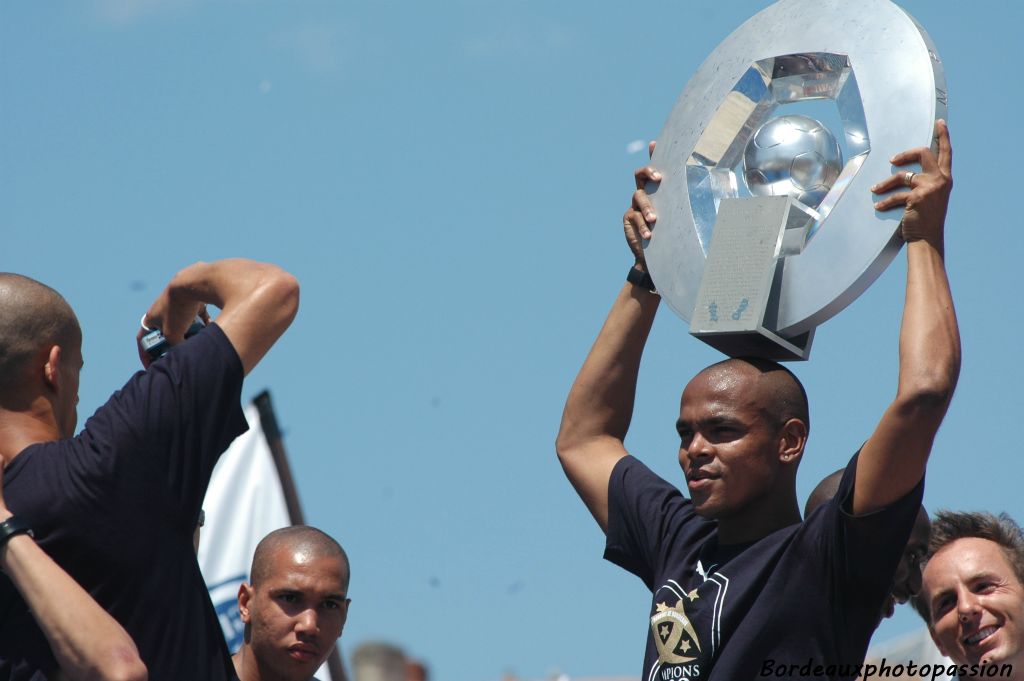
[300,568]
[723,388]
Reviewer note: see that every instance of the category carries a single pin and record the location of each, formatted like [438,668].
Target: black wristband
[11,527]
[641,279]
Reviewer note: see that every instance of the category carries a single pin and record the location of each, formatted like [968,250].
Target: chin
[1000,655]
[707,510]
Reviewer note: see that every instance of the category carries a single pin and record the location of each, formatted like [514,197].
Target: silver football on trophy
[792,155]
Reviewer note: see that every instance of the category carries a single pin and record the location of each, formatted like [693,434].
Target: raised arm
[258,301]
[86,641]
[893,460]
[600,403]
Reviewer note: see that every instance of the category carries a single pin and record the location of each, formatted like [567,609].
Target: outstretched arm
[258,302]
[893,460]
[86,641]
[600,404]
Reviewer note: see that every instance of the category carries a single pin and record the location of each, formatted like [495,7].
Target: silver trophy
[766,222]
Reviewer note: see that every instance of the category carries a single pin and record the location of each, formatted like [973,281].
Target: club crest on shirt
[674,634]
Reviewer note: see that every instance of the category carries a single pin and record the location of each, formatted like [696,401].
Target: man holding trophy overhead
[742,587]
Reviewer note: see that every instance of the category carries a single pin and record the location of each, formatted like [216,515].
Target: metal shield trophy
[755,271]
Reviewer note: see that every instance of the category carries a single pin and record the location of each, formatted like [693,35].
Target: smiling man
[294,607]
[972,594]
[742,589]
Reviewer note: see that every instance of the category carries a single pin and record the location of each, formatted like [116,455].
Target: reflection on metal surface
[729,136]
[792,156]
[829,51]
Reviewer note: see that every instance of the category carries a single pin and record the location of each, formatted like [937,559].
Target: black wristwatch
[11,527]
[640,278]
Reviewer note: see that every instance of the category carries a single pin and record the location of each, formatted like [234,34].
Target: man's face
[728,450]
[976,603]
[907,580]
[296,614]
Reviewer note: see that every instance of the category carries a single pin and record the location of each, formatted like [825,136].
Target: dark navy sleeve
[875,541]
[864,551]
[166,428]
[643,510]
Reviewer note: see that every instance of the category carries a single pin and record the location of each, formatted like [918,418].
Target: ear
[344,614]
[244,598]
[792,438]
[51,369]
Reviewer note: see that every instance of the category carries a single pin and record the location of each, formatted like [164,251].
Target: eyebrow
[709,421]
[292,590]
[973,579]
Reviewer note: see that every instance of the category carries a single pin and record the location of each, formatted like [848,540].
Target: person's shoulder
[209,351]
[631,466]
[210,339]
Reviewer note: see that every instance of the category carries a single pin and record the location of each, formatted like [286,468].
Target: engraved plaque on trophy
[766,222]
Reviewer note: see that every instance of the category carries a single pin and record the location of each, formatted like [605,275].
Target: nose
[698,453]
[967,606]
[697,446]
[306,621]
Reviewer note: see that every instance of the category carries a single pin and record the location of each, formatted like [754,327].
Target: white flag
[245,501]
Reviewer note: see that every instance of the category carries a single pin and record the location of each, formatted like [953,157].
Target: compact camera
[156,346]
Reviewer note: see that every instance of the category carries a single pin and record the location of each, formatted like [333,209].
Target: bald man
[116,504]
[743,589]
[906,581]
[294,606]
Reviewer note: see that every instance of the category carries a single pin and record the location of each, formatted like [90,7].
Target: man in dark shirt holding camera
[116,505]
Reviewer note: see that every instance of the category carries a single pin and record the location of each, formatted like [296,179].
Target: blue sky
[447,182]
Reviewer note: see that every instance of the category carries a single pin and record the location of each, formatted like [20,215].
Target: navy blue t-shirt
[804,599]
[116,507]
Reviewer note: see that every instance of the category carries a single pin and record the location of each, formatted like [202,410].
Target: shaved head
[32,316]
[780,395]
[296,539]
[825,490]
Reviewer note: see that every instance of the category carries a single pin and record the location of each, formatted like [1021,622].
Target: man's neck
[244,668]
[19,429]
[757,522]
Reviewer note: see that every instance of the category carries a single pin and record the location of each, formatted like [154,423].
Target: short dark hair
[788,396]
[948,526]
[302,537]
[32,315]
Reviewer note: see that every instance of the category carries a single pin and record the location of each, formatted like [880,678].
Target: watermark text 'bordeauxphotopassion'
[883,670]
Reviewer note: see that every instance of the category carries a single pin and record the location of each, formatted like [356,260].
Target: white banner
[244,502]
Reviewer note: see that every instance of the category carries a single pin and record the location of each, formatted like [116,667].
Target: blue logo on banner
[225,601]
